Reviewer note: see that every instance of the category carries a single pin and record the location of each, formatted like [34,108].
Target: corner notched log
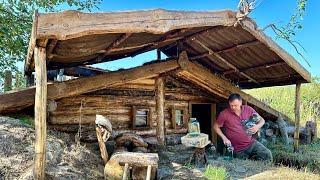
[40,112]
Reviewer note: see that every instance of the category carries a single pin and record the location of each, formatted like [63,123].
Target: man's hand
[255,128]
[226,141]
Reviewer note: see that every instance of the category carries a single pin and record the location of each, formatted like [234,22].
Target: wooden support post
[160,110]
[158,54]
[40,112]
[297,117]
[7,81]
[149,172]
[213,120]
[102,146]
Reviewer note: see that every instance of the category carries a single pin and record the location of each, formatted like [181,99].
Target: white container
[199,141]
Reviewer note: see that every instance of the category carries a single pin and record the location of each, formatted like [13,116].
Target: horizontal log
[14,101]
[137,141]
[215,84]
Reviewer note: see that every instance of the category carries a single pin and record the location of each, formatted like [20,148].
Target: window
[141,117]
[178,118]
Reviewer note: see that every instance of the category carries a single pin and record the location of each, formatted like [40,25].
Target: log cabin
[209,54]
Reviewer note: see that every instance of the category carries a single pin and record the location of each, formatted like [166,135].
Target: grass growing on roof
[215,173]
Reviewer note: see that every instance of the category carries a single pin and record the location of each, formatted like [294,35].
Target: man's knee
[265,154]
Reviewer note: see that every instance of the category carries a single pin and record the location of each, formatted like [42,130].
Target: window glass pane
[179,117]
[141,118]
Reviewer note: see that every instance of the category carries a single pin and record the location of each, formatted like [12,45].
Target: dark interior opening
[203,114]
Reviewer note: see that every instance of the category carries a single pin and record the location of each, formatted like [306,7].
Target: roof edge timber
[153,21]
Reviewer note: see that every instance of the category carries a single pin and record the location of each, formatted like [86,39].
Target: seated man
[245,146]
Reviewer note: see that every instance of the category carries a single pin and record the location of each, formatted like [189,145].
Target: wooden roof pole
[265,66]
[233,48]
[214,84]
[40,113]
[114,44]
[297,116]
[216,55]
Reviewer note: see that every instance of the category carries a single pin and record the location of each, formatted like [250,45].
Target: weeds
[215,173]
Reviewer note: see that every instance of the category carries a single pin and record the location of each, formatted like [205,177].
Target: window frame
[134,112]
[184,115]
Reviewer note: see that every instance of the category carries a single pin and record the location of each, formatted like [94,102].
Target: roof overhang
[241,53]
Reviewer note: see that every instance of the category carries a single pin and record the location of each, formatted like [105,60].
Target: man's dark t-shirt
[234,130]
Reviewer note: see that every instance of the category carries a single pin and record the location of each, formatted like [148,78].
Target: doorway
[204,116]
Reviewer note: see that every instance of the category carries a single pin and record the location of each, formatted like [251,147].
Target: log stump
[198,157]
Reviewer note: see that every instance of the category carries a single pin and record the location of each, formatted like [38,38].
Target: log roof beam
[217,56]
[265,66]
[214,84]
[14,101]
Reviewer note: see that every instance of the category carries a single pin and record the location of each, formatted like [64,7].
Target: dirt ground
[67,160]
[64,159]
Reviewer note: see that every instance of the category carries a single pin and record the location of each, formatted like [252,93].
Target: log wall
[117,105]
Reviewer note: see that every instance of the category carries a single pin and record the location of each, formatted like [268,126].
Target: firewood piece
[135,139]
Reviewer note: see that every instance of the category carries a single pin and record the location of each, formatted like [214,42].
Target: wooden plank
[297,116]
[14,101]
[159,86]
[40,115]
[214,84]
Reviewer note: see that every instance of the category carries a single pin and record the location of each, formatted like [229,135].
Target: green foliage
[307,157]
[283,99]
[16,23]
[215,173]
[294,24]
[26,120]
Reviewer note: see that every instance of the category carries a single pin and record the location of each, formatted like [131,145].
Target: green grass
[26,120]
[283,99]
[215,173]
[307,158]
